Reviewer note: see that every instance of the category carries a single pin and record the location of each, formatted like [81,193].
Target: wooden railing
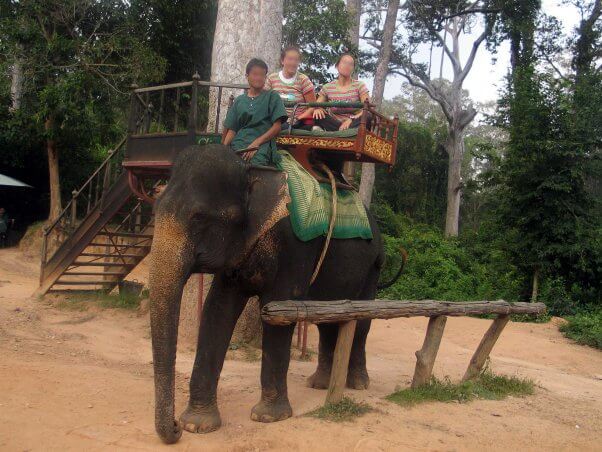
[179,107]
[380,125]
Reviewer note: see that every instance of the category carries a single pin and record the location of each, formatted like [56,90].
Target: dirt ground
[82,380]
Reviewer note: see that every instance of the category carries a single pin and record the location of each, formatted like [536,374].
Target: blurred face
[346,66]
[290,62]
[256,77]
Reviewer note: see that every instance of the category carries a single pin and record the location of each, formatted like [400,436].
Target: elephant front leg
[274,404]
[220,313]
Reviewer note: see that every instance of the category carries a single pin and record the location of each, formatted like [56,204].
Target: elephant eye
[233,214]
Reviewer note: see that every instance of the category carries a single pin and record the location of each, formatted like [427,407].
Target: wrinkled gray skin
[220,215]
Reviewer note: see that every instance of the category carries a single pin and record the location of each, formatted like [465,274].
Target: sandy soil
[82,380]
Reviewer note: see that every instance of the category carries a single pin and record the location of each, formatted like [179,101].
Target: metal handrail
[184,84]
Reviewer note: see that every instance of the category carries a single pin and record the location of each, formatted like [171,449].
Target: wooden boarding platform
[348,312]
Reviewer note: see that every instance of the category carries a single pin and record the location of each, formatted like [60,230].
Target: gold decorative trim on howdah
[378,148]
[316,142]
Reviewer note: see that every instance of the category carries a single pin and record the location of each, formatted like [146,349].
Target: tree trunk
[53,171]
[243,30]
[380,78]
[454,145]
[16,86]
[354,7]
[535,289]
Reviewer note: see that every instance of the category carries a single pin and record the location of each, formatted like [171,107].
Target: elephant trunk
[171,260]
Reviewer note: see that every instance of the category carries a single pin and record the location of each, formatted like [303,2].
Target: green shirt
[252,117]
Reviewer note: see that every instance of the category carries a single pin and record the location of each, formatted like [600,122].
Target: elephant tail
[404,259]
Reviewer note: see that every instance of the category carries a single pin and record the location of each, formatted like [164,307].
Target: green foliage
[180,32]
[417,183]
[544,204]
[344,411]
[585,328]
[487,386]
[319,29]
[444,269]
[78,59]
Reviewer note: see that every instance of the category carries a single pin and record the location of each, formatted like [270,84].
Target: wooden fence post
[484,349]
[425,357]
[340,362]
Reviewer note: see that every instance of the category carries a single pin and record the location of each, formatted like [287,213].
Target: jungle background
[529,224]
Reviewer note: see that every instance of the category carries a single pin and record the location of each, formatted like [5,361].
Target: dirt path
[82,380]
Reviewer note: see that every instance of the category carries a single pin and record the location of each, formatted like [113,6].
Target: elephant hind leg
[328,339]
[357,375]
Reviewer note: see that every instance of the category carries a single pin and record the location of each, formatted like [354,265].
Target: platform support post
[425,357]
[484,349]
[340,362]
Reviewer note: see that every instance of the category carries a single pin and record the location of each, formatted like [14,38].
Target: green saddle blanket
[311,205]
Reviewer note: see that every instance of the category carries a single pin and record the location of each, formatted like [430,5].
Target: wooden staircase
[106,229]
[100,237]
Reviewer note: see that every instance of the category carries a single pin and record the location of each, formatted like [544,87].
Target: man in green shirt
[255,118]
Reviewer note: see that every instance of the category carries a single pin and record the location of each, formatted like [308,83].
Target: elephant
[223,216]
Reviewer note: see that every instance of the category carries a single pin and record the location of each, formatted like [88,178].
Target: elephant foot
[358,379]
[201,419]
[265,411]
[319,380]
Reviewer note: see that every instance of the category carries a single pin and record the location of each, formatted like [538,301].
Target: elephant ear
[266,203]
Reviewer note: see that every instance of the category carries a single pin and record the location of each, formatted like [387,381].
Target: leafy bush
[440,268]
[585,328]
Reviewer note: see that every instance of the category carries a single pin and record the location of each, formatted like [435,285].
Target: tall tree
[380,78]
[546,207]
[76,54]
[243,30]
[443,24]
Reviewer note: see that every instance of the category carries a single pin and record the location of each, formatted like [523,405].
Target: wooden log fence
[347,312]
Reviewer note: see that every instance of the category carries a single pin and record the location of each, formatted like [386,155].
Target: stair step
[93,274]
[83,283]
[116,255]
[128,212]
[78,291]
[124,245]
[126,234]
[101,264]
